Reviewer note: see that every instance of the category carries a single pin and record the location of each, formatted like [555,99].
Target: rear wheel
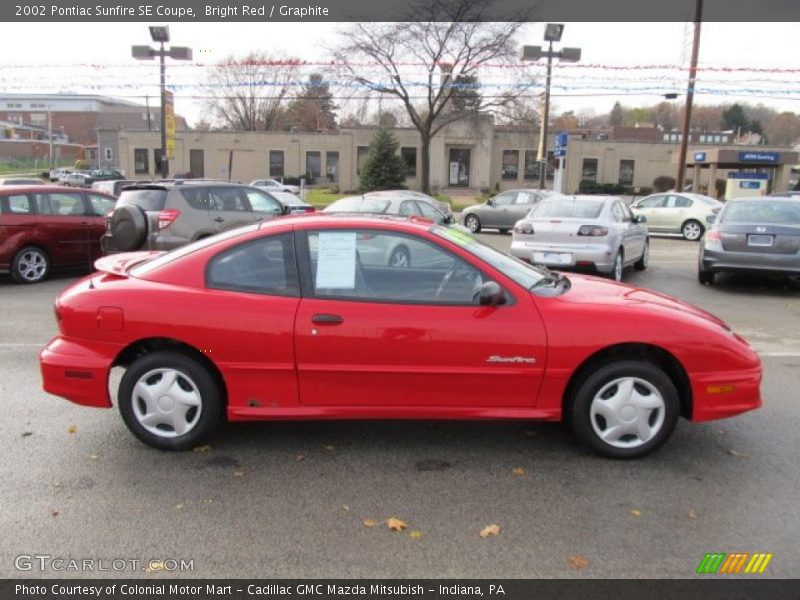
[625,409]
[30,265]
[692,230]
[618,268]
[400,258]
[504,231]
[706,277]
[473,223]
[170,401]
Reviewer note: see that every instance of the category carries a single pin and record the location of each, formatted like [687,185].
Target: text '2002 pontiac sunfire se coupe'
[307,318]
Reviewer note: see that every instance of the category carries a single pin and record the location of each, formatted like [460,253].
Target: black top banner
[391,10]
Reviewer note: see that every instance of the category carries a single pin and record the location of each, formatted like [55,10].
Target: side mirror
[449,219]
[491,294]
[639,219]
[287,210]
[711,219]
[490,202]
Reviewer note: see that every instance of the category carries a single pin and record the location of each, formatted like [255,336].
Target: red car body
[64,225]
[518,360]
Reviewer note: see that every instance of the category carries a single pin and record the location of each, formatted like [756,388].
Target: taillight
[167,217]
[593,230]
[712,235]
[523,228]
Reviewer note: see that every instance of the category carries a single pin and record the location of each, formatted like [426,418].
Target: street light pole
[698,15]
[163,73]
[552,33]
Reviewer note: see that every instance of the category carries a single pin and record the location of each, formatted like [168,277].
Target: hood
[594,290]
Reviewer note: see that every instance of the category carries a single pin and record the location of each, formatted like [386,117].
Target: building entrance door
[458,167]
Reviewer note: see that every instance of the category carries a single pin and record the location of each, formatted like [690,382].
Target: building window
[361,156]
[196,163]
[107,154]
[589,170]
[531,165]
[313,165]
[409,155]
[276,163]
[332,167]
[157,161]
[626,172]
[510,168]
[141,165]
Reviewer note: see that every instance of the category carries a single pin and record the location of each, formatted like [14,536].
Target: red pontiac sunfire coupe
[315,317]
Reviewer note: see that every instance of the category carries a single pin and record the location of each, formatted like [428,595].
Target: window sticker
[336,260]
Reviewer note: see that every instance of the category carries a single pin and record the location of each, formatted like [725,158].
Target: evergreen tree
[383,168]
[617,116]
[313,108]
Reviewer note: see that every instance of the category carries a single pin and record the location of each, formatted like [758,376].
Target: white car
[673,212]
[272,185]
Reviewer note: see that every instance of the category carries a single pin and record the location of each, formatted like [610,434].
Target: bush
[663,183]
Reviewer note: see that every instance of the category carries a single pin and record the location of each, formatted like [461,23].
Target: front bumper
[724,394]
[75,372]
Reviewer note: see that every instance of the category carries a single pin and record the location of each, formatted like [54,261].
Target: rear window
[762,211]
[146,199]
[359,204]
[569,208]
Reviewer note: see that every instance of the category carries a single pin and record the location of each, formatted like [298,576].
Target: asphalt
[290,499]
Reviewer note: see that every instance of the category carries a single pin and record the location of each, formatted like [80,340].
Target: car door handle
[219,220]
[323,319]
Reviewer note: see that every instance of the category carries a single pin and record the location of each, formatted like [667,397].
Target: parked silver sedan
[672,212]
[598,233]
[503,210]
[753,235]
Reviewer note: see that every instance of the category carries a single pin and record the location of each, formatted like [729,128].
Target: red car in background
[44,227]
[300,318]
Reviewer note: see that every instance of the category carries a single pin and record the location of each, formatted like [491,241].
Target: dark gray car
[503,210]
[752,235]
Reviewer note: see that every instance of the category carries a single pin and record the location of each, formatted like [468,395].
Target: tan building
[475,156]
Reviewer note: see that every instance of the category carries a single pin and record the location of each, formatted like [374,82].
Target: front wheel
[169,401]
[472,223]
[692,231]
[625,409]
[30,265]
[644,259]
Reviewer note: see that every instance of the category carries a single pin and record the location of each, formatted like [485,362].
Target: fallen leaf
[721,431]
[238,473]
[27,433]
[733,452]
[72,429]
[54,513]
[518,471]
[636,512]
[576,561]
[299,456]
[490,530]
[180,506]
[368,523]
[93,456]
[330,448]
[203,448]
[692,514]
[395,524]
[345,508]
[415,535]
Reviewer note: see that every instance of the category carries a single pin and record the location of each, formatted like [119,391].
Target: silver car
[503,210]
[443,206]
[592,232]
[672,212]
[753,235]
[272,185]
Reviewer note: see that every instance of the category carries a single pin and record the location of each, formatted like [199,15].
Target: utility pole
[698,16]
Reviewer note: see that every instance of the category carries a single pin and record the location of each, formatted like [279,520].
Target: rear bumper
[749,262]
[599,255]
[724,394]
[75,372]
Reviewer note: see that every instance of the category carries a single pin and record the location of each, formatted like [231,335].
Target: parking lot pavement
[290,499]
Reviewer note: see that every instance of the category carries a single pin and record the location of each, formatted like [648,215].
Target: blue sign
[562,139]
[762,157]
[560,152]
[699,156]
[749,185]
[744,175]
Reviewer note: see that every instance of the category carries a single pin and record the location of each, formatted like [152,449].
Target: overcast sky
[95,58]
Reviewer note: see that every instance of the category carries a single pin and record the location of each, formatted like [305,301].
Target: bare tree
[247,94]
[427,61]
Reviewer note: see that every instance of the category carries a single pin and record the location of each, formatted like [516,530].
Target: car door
[681,211]
[633,235]
[495,212]
[64,222]
[651,208]
[521,205]
[263,204]
[229,208]
[99,207]
[369,335]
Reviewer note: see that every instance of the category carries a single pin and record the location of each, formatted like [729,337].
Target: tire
[618,268]
[128,228]
[625,409]
[504,231]
[400,258]
[706,277]
[692,230]
[30,265]
[473,223]
[644,259]
[170,416]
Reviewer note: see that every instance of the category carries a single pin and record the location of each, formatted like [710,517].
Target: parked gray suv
[163,216]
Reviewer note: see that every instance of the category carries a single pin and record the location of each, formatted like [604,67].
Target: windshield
[359,204]
[567,208]
[521,272]
[762,211]
[144,268]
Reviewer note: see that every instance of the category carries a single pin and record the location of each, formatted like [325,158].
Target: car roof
[43,187]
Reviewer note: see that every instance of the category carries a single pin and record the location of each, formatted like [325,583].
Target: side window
[524,198]
[503,199]
[197,197]
[617,213]
[682,202]
[627,212]
[408,208]
[66,205]
[430,212]
[263,203]
[379,266]
[654,202]
[101,205]
[671,202]
[264,266]
[16,204]
[227,199]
